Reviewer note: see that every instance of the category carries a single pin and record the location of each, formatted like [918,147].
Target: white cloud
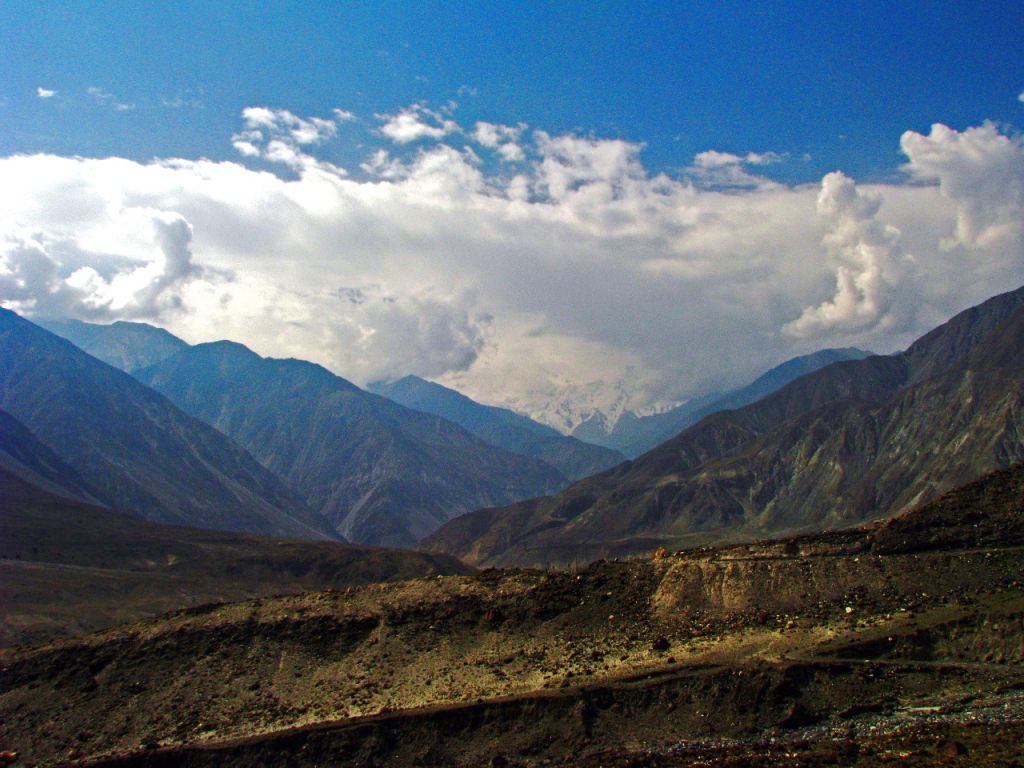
[416,122]
[54,275]
[982,172]
[343,115]
[282,123]
[581,272]
[503,138]
[724,169]
[182,99]
[279,136]
[45,93]
[102,96]
[871,262]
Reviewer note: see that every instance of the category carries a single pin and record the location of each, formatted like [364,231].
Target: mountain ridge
[502,427]
[380,473]
[830,448]
[122,344]
[634,435]
[136,450]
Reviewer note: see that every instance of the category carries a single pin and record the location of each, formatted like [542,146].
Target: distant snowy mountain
[608,413]
[566,405]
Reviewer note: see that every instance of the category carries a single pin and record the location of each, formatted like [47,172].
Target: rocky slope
[834,447]
[828,643]
[24,457]
[506,429]
[378,472]
[136,451]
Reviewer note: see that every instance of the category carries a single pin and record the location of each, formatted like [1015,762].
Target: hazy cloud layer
[525,267]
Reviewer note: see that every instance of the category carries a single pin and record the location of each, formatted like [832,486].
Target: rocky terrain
[900,641]
[828,450]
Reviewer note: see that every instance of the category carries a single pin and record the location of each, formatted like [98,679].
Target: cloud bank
[524,267]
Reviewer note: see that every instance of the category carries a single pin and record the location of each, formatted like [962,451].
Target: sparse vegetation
[886,639]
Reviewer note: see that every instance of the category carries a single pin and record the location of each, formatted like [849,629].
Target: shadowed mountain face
[67,567]
[380,473]
[634,435]
[24,457]
[506,429]
[136,451]
[124,345]
[854,440]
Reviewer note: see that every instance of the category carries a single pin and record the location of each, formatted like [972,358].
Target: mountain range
[130,448]
[502,427]
[378,472]
[853,440]
[634,434]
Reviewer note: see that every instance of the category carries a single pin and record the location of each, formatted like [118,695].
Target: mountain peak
[225,349]
[122,344]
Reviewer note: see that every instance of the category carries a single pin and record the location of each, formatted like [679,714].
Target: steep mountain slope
[851,441]
[501,427]
[136,450]
[815,648]
[379,472]
[634,435]
[24,457]
[124,345]
[67,567]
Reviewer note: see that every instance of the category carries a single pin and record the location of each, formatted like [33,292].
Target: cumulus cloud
[725,169]
[572,166]
[982,172]
[50,275]
[45,93]
[386,336]
[580,276]
[871,261]
[503,138]
[280,136]
[416,122]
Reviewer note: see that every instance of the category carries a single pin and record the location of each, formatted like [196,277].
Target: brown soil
[887,639]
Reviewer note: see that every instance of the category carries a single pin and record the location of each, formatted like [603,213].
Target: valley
[880,633]
[828,574]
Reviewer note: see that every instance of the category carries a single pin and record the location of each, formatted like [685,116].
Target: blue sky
[559,207]
[829,85]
